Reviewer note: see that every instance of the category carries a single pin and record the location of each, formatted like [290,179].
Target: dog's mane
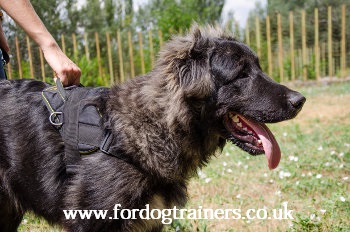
[180,50]
[167,106]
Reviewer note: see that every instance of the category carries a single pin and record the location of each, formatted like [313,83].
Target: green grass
[313,175]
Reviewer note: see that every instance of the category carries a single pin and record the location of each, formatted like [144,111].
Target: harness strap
[70,130]
[74,113]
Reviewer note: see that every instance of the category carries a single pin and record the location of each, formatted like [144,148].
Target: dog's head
[223,81]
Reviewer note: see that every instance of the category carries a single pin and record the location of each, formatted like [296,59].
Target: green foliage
[91,75]
[170,16]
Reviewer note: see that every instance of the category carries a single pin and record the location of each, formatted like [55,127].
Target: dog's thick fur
[168,123]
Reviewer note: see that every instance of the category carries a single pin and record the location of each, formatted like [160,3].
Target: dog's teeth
[235,118]
[259,142]
[239,124]
[245,129]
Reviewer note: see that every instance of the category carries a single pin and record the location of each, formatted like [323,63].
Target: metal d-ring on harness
[53,118]
[74,112]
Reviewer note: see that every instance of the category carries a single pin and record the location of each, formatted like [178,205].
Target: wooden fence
[287,61]
[115,56]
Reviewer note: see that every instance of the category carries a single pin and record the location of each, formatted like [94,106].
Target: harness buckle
[105,145]
[54,119]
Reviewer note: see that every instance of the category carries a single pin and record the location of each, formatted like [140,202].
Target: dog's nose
[296,100]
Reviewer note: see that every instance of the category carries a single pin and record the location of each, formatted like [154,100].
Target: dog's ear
[194,75]
[200,44]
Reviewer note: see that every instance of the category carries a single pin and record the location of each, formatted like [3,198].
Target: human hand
[65,69]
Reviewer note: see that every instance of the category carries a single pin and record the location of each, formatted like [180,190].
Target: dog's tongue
[271,147]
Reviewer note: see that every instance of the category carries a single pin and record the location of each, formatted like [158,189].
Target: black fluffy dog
[206,89]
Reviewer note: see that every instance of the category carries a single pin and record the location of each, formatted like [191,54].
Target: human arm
[23,13]
[3,41]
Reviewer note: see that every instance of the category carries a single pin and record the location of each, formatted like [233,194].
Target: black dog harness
[74,112]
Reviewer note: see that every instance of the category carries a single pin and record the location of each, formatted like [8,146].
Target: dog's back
[27,148]
[34,177]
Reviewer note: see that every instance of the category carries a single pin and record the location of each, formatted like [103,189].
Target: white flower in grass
[285,134]
[278,193]
[346,144]
[309,173]
[265,174]
[238,196]
[271,181]
[207,180]
[239,163]
[303,174]
[25,221]
[297,183]
[341,154]
[323,211]
[333,152]
[291,225]
[283,174]
[327,164]
[227,154]
[341,165]
[320,148]
[342,199]
[293,158]
[245,166]
[224,164]
[312,216]
[318,176]
[229,170]
[280,175]
[345,178]
[201,174]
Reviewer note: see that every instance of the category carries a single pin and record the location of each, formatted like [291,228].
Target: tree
[172,15]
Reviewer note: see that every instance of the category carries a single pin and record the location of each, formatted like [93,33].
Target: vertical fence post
[139,34]
[343,45]
[280,46]
[317,47]
[258,43]
[63,44]
[131,55]
[291,41]
[9,70]
[151,53]
[323,57]
[269,55]
[30,57]
[330,48]
[110,61]
[98,53]
[42,65]
[87,53]
[247,39]
[303,44]
[120,56]
[19,62]
[160,35]
[75,47]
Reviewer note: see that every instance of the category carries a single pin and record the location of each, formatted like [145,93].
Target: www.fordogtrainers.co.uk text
[168,215]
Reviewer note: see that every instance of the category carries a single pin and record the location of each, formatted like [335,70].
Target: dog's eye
[243,75]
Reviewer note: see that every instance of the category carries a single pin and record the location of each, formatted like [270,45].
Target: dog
[206,88]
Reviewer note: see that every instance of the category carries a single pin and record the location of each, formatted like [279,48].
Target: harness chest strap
[74,113]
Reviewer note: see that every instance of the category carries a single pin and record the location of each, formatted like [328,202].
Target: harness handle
[61,90]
